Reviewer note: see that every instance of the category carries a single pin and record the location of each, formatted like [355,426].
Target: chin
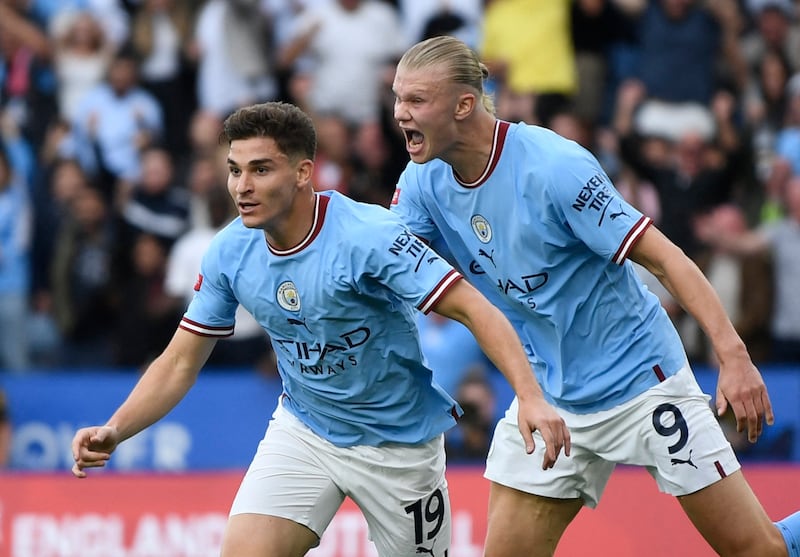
[421,157]
[250,222]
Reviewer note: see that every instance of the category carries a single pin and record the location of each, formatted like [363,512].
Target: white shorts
[669,429]
[400,489]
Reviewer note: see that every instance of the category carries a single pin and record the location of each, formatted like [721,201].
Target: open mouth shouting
[415,141]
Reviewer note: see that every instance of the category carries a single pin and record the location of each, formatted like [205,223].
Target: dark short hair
[291,128]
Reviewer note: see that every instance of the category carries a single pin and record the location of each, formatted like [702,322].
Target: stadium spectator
[161,35]
[688,176]
[469,441]
[775,28]
[116,23]
[27,83]
[155,204]
[782,239]
[84,281]
[233,53]
[146,313]
[203,166]
[15,266]
[423,19]
[787,143]
[376,164]
[57,187]
[203,176]
[528,50]
[764,108]
[767,98]
[743,284]
[333,168]
[695,40]
[356,391]
[114,122]
[523,209]
[598,28]
[344,76]
[770,204]
[59,183]
[81,57]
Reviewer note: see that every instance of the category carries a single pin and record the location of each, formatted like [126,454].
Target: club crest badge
[288,297]
[481,228]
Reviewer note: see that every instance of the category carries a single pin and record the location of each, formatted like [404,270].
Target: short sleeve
[406,203]
[588,202]
[397,259]
[212,311]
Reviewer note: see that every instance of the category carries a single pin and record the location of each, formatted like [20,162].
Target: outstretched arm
[500,343]
[161,387]
[740,383]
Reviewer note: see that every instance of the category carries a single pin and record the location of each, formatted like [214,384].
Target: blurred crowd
[112,178]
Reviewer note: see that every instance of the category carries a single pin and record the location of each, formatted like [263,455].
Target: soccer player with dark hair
[336,285]
[537,226]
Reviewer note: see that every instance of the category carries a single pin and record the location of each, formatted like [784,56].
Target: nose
[400,112]
[243,184]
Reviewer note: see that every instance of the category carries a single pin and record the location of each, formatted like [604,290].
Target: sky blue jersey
[544,235]
[340,311]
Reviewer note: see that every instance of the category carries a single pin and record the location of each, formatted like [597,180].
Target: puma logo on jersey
[300,322]
[489,256]
[619,213]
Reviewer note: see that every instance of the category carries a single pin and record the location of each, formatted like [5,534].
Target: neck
[471,153]
[289,230]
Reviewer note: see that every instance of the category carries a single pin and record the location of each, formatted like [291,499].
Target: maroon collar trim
[320,209]
[500,132]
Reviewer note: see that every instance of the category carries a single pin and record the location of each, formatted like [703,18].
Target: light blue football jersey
[340,311]
[544,235]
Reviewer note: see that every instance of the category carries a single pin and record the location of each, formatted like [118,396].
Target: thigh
[402,492]
[731,519]
[290,477]
[521,523]
[257,535]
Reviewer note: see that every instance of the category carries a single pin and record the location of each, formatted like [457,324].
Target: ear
[304,169]
[465,105]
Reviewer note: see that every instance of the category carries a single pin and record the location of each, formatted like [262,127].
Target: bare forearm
[690,288]
[163,385]
[158,391]
[500,343]
[495,335]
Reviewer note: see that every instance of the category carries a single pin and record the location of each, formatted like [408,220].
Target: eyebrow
[254,162]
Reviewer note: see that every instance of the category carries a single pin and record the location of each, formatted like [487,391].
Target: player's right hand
[92,447]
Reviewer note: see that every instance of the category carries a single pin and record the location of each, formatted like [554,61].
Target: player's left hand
[536,414]
[741,387]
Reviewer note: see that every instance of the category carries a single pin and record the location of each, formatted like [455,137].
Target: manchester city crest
[288,297]
[481,228]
